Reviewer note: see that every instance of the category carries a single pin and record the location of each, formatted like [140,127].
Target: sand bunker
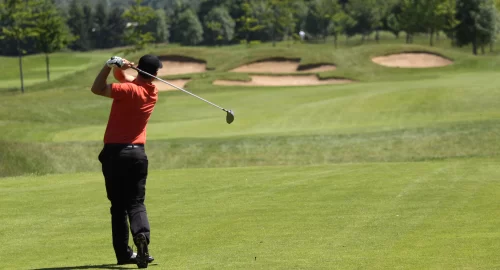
[165,87]
[282,81]
[282,65]
[412,60]
[176,64]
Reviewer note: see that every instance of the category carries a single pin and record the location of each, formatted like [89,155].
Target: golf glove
[115,60]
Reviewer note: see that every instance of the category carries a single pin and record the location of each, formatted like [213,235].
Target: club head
[229,116]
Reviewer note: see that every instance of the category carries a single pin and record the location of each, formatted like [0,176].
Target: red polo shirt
[132,106]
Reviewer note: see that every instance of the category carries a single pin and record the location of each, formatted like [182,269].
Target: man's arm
[121,76]
[100,86]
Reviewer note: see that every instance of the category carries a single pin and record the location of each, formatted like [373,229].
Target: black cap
[149,63]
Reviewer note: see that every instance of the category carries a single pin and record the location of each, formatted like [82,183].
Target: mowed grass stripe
[62,64]
[376,215]
[441,141]
[367,107]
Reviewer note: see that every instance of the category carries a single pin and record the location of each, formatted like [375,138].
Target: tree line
[90,24]
[46,26]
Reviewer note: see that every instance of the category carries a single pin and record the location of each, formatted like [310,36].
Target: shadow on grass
[11,90]
[101,266]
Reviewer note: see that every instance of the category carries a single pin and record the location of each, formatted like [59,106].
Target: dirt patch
[282,65]
[412,60]
[283,81]
[165,87]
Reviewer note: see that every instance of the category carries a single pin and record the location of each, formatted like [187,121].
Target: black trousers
[125,169]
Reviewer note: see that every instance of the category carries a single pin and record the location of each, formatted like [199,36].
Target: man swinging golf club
[123,158]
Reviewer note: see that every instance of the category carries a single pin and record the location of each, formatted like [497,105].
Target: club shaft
[185,91]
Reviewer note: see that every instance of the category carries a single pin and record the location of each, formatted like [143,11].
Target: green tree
[208,5]
[340,21]
[383,10]
[279,17]
[410,18]
[487,24]
[476,23]
[249,22]
[19,25]
[89,24]
[367,14]
[158,26]
[317,21]
[438,15]
[137,17]
[392,22]
[300,11]
[263,12]
[78,24]
[53,33]
[115,29]
[326,17]
[192,31]
[219,25]
[100,25]
[236,11]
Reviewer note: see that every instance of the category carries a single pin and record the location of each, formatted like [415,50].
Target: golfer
[123,158]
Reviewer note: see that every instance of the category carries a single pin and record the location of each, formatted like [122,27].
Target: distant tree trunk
[407,38]
[474,47]
[20,54]
[273,34]
[431,40]
[335,37]
[47,66]
[377,35]
[453,40]
[482,48]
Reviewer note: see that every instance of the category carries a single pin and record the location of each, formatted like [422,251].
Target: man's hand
[126,64]
[119,62]
[115,61]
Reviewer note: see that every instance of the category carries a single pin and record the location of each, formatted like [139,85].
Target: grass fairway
[34,68]
[398,170]
[427,215]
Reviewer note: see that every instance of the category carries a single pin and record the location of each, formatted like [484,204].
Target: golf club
[230,114]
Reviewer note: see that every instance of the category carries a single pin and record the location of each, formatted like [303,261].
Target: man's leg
[120,232]
[136,184]
[119,224]
[139,224]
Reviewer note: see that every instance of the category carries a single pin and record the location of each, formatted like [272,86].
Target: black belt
[124,145]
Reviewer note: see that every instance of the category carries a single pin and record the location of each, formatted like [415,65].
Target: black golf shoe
[142,257]
[133,260]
